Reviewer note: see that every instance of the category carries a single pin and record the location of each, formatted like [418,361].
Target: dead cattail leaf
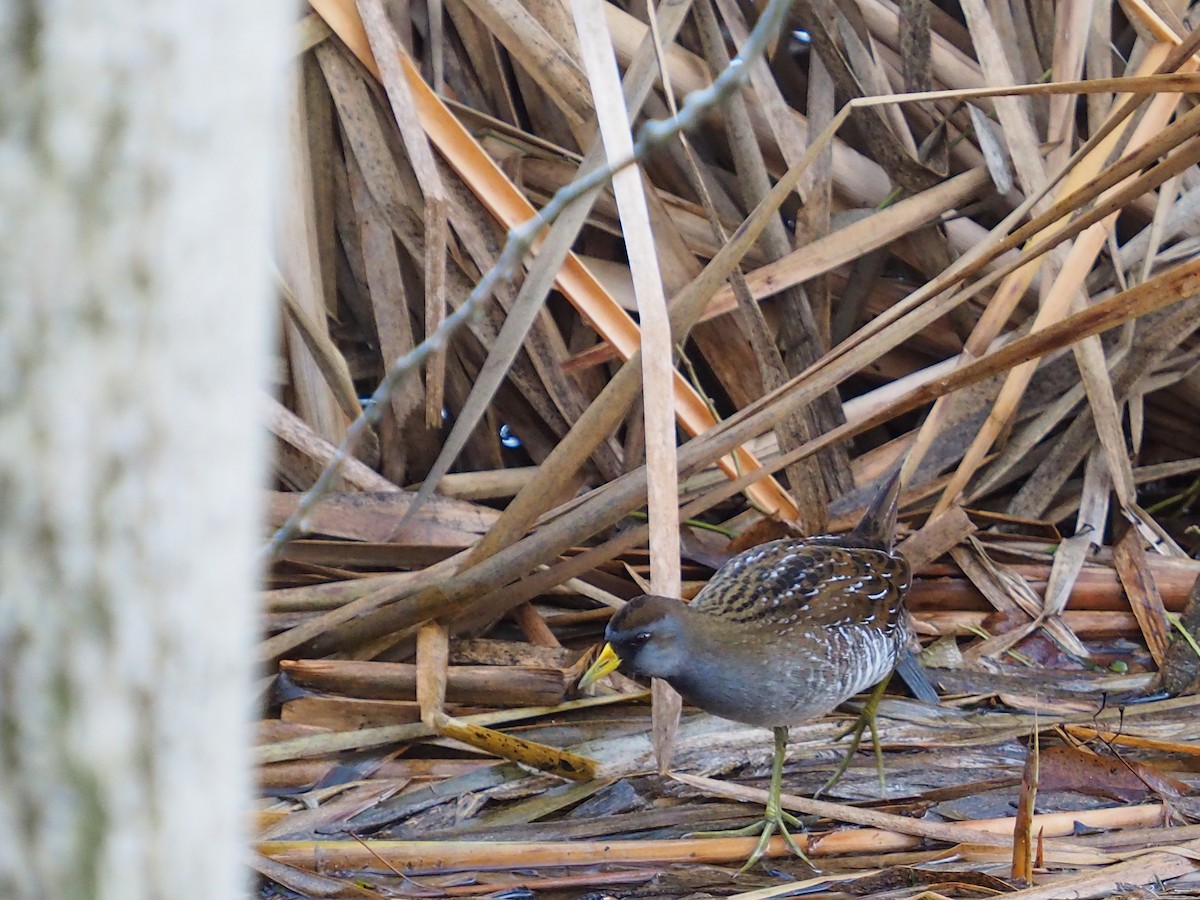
[1073,769]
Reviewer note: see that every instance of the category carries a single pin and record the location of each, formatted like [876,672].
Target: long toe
[748,831]
[769,826]
[856,732]
[794,847]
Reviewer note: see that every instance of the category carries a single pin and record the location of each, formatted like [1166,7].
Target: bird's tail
[909,668]
[878,523]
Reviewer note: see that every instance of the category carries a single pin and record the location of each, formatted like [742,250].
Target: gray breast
[807,682]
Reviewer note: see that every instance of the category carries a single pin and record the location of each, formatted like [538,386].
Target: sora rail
[782,633]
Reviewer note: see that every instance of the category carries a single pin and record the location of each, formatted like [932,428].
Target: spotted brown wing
[814,582]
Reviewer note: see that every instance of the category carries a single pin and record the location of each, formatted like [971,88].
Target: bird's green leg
[774,818]
[866,719]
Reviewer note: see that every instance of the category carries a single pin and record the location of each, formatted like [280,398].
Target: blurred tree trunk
[135,174]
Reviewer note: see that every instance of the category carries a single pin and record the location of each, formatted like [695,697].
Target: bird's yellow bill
[606,662]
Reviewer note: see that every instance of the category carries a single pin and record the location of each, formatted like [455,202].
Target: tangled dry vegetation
[993,286]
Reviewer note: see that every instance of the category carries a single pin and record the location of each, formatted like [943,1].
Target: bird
[782,634]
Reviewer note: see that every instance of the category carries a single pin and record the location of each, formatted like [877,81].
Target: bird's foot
[775,819]
[866,719]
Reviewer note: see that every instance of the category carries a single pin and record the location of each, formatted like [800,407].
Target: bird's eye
[641,637]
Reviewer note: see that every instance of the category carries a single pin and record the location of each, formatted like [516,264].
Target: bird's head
[646,637]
